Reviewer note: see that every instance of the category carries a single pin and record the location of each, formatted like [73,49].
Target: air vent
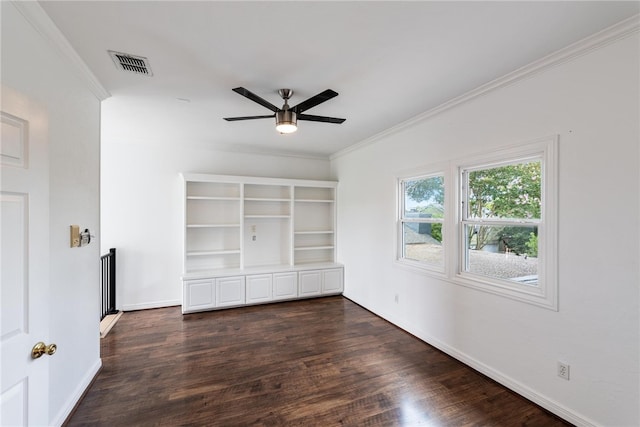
[131,63]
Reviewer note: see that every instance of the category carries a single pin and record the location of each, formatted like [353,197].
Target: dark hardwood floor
[319,362]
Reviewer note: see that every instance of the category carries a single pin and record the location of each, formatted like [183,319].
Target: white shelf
[206,253]
[213,198]
[213,225]
[268,216]
[203,273]
[315,232]
[313,201]
[264,199]
[312,248]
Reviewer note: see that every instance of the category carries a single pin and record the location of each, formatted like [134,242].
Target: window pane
[511,191]
[423,242]
[509,253]
[424,198]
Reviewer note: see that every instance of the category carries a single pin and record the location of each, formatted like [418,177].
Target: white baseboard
[523,390]
[520,388]
[65,411]
[148,305]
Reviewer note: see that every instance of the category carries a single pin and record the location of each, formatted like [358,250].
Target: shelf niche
[241,223]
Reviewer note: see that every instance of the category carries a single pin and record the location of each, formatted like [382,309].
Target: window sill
[535,295]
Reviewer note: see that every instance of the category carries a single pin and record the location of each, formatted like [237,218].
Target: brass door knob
[41,348]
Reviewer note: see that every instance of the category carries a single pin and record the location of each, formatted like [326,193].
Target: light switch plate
[75,236]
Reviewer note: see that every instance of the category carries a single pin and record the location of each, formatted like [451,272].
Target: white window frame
[437,269]
[545,293]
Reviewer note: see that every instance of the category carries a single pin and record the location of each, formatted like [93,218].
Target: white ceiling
[389,61]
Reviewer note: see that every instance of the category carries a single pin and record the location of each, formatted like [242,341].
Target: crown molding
[593,42]
[42,23]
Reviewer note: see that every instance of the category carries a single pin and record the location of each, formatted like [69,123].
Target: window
[421,221]
[499,232]
[500,217]
[506,223]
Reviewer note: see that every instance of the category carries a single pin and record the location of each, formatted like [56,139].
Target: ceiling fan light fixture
[286,121]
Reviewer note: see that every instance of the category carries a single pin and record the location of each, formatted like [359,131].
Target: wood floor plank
[320,362]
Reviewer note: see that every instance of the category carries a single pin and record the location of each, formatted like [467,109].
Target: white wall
[591,102]
[142,207]
[32,66]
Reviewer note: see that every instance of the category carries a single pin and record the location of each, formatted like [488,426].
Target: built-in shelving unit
[263,230]
[314,225]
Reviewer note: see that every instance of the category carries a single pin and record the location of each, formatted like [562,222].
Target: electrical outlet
[563,370]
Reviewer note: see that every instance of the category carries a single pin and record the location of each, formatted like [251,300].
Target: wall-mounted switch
[74,241]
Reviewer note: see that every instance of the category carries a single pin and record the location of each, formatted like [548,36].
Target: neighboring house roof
[411,235]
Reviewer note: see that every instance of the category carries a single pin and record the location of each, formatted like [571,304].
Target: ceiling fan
[287,117]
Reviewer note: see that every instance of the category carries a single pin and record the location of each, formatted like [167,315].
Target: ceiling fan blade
[315,100]
[234,119]
[255,98]
[324,119]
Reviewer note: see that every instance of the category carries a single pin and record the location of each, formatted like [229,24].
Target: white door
[24,260]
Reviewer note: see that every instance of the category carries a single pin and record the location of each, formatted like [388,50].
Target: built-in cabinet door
[332,281]
[285,285]
[310,283]
[198,295]
[229,291]
[259,288]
